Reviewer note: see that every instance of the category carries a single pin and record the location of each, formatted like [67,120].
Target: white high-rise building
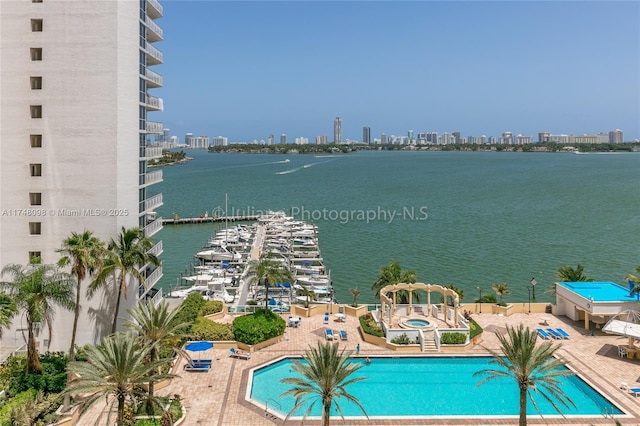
[75,91]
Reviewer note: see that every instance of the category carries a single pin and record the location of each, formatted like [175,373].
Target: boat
[218,253]
[313,280]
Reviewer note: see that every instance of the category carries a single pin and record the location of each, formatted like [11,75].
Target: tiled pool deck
[218,396]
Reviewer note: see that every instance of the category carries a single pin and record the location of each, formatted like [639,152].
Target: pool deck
[217,397]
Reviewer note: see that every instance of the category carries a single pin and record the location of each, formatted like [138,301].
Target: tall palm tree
[392,274]
[8,310]
[534,368]
[37,289]
[155,328]
[325,376]
[308,293]
[355,293]
[569,275]
[501,289]
[117,368]
[124,257]
[85,254]
[269,271]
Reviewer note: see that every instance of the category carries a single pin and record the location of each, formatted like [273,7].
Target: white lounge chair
[239,353]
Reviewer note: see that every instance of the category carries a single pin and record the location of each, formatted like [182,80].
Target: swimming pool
[427,386]
[601,291]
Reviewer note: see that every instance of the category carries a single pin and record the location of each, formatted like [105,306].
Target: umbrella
[625,323]
[200,346]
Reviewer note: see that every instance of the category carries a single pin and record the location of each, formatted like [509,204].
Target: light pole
[529,291]
[533,287]
[480,298]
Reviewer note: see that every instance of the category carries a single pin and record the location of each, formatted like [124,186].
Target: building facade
[337,130]
[366,135]
[74,138]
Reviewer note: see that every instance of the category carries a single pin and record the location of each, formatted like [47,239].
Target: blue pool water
[601,291]
[417,322]
[421,386]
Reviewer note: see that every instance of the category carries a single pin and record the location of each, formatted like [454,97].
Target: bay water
[469,219]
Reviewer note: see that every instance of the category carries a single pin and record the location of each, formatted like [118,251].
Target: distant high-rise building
[271,139]
[410,135]
[283,138]
[543,137]
[616,136]
[188,139]
[383,139]
[366,135]
[325,139]
[456,137]
[337,130]
[220,141]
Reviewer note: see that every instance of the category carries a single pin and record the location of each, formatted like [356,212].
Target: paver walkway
[218,397]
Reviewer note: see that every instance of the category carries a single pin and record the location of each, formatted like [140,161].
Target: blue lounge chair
[197,367]
[563,333]
[326,318]
[543,334]
[201,362]
[239,354]
[328,334]
[554,333]
[634,391]
[343,335]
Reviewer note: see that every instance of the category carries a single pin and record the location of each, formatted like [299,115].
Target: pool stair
[429,345]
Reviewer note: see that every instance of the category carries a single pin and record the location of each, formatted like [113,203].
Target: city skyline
[473,67]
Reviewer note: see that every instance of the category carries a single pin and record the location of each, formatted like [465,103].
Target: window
[36,169]
[35,198]
[36,1]
[35,255]
[35,228]
[36,25]
[36,83]
[36,53]
[36,111]
[36,141]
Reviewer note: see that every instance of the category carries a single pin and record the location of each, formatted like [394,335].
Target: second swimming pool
[428,386]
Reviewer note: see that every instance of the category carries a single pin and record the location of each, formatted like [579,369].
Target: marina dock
[208,219]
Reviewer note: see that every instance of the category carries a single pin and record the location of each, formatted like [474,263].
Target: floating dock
[208,219]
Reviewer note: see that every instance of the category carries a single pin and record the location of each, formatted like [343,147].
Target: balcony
[153,277]
[153,203]
[154,9]
[153,227]
[154,104]
[156,250]
[153,78]
[150,178]
[153,127]
[154,56]
[152,153]
[154,32]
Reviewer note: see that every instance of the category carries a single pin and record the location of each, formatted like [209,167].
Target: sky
[245,69]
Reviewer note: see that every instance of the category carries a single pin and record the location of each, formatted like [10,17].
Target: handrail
[266,407]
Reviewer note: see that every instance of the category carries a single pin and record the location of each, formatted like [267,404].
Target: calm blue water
[602,291]
[490,217]
[442,386]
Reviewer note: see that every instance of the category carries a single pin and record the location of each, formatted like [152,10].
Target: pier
[176,220]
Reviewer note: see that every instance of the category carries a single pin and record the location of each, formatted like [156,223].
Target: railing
[153,227]
[436,335]
[156,250]
[152,177]
[153,202]
[154,102]
[153,77]
[273,403]
[150,153]
[156,5]
[153,277]
[157,298]
[153,27]
[154,52]
[153,127]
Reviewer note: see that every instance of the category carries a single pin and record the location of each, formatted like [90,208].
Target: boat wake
[286,172]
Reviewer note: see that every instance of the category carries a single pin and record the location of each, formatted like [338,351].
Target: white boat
[218,253]
[313,280]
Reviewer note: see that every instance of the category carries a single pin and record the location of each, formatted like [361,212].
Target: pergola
[626,323]
[388,297]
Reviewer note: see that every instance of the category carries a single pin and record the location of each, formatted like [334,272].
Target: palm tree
[156,328]
[308,293]
[85,254]
[117,368]
[325,375]
[392,274]
[534,368]
[8,310]
[355,293]
[501,289]
[36,289]
[569,275]
[124,257]
[269,271]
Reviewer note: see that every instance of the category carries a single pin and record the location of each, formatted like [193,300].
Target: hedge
[258,327]
[455,338]
[370,326]
[205,329]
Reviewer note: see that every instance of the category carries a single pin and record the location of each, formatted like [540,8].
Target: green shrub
[455,338]
[402,339]
[14,403]
[211,307]
[191,309]
[205,329]
[258,327]
[52,379]
[370,326]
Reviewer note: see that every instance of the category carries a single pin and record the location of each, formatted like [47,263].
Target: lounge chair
[563,333]
[543,334]
[554,333]
[344,335]
[326,318]
[328,334]
[197,367]
[634,391]
[201,362]
[239,353]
